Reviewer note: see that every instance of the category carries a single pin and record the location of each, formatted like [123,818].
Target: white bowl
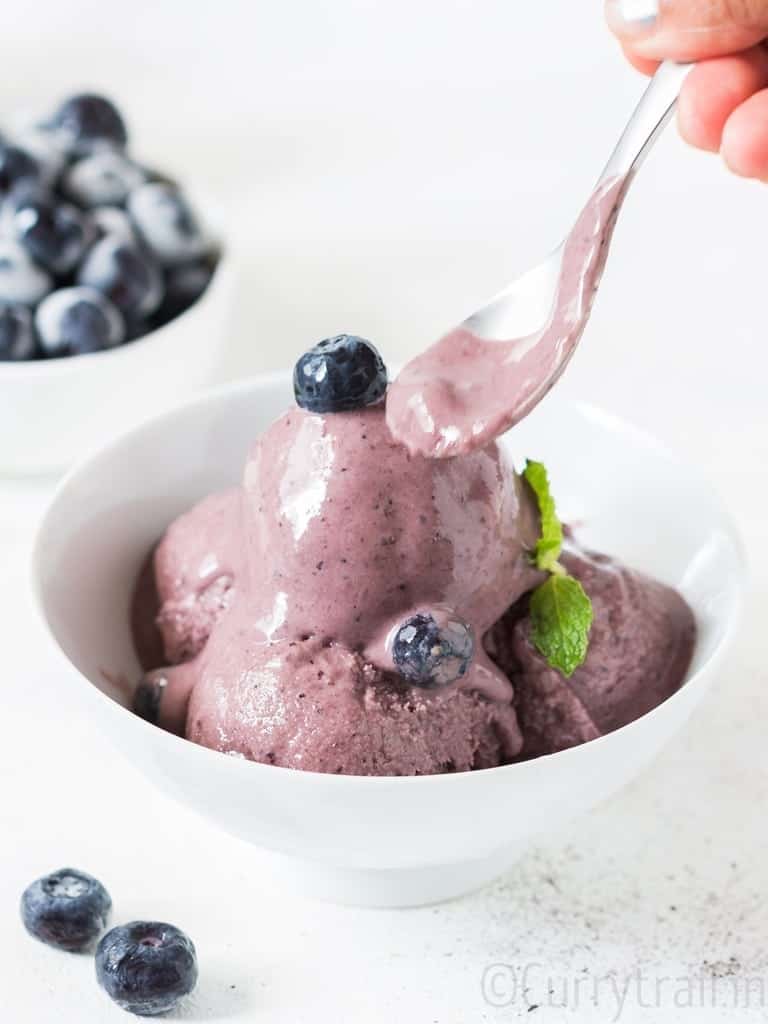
[373,841]
[53,411]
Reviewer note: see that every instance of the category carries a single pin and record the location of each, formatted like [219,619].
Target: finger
[745,138]
[713,90]
[640,63]
[687,30]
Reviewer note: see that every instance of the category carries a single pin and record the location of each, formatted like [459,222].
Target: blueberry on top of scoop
[340,374]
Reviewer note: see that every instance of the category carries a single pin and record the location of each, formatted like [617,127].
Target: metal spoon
[488,373]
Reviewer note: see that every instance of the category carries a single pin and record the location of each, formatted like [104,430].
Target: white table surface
[384,170]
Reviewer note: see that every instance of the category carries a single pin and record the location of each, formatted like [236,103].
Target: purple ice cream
[320,706]
[640,646]
[277,603]
[194,568]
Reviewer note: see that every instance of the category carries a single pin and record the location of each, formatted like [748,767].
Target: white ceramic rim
[281,378]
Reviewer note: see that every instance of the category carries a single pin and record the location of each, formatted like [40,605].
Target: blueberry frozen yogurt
[96,249]
[351,607]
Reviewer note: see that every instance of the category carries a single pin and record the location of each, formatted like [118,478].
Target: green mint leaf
[561,612]
[550,543]
[561,617]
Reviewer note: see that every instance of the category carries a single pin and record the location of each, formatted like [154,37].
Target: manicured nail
[637,14]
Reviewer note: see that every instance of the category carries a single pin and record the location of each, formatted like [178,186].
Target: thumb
[687,30]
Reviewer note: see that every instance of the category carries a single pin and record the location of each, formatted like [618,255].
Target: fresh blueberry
[429,653]
[48,149]
[17,333]
[90,122]
[183,286]
[30,190]
[340,374]
[67,909]
[111,220]
[167,223]
[17,167]
[146,967]
[77,321]
[102,179]
[20,279]
[126,274]
[54,234]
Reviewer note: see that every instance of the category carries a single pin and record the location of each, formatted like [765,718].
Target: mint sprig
[561,617]
[561,612]
[550,543]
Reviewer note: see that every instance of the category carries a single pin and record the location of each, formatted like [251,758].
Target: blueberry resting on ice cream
[431,653]
[354,608]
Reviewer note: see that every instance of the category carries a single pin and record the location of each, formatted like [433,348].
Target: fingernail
[637,14]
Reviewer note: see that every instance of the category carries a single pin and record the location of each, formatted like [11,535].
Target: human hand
[724,102]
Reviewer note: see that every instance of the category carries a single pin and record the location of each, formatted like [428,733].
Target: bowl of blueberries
[114,292]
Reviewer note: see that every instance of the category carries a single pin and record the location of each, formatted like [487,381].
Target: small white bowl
[53,411]
[374,841]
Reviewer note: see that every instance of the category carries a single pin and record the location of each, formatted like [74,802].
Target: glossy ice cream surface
[277,603]
[339,536]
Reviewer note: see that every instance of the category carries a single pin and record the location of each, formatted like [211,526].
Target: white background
[385,166]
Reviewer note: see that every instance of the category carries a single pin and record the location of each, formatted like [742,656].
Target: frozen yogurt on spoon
[488,373]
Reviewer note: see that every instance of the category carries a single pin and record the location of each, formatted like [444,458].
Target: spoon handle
[648,121]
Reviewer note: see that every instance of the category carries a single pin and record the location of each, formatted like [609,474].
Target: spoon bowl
[488,373]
